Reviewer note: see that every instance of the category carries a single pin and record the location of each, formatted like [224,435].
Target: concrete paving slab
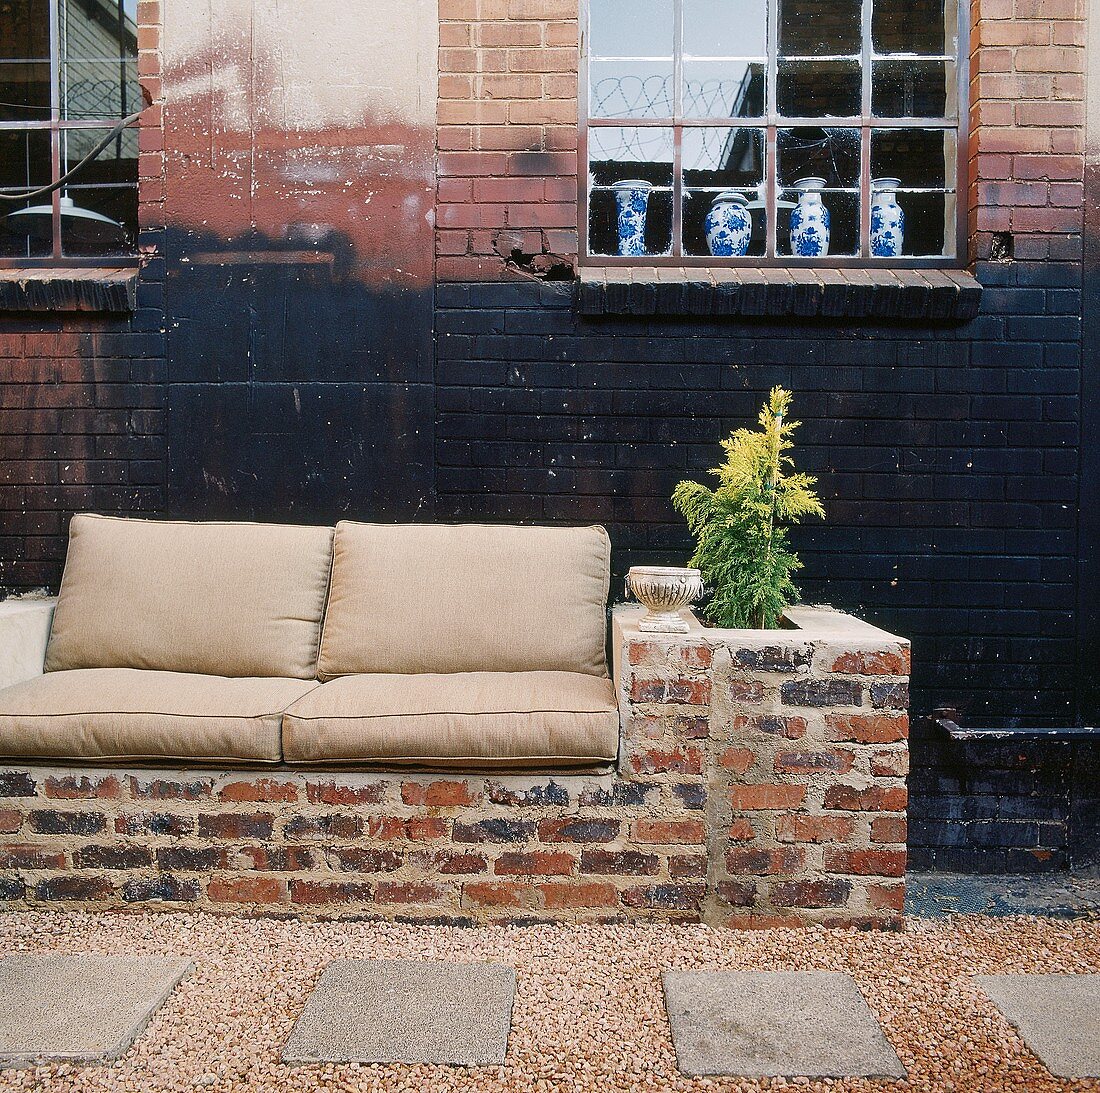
[406,1011]
[1058,1017]
[775,1024]
[78,1008]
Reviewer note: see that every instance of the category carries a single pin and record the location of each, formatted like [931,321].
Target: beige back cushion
[210,598]
[410,598]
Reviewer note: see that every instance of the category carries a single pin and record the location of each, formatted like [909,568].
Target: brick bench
[761,781]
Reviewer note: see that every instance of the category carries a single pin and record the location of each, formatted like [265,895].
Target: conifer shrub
[741,527]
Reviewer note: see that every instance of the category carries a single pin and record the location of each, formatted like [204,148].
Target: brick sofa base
[761,782]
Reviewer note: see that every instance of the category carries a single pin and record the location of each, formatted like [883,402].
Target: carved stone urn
[664,590]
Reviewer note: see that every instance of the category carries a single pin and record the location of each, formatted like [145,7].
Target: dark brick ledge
[57,289]
[908,294]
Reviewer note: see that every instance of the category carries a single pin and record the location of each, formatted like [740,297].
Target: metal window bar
[55,125]
[771,122]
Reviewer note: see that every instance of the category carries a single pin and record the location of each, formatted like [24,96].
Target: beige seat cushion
[467,598]
[472,720]
[210,598]
[100,714]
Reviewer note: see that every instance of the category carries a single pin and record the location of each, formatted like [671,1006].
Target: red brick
[763,862]
[889,829]
[438,794]
[317,892]
[871,799]
[80,787]
[695,656]
[737,759]
[687,865]
[766,795]
[408,892]
[804,828]
[557,896]
[868,728]
[793,728]
[877,863]
[822,892]
[334,793]
[669,832]
[28,856]
[538,863]
[814,762]
[887,896]
[499,894]
[167,789]
[11,820]
[685,692]
[259,789]
[445,861]
[890,764]
[365,859]
[891,662]
[620,863]
[237,825]
[578,830]
[678,760]
[737,893]
[741,830]
[247,890]
[745,690]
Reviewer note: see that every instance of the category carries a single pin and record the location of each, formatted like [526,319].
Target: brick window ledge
[937,295]
[89,288]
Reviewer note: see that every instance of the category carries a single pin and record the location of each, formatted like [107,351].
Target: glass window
[68,70]
[773,130]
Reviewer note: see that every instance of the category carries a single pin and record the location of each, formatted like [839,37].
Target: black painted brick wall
[947,459]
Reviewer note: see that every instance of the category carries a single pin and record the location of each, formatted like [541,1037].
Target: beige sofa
[434,646]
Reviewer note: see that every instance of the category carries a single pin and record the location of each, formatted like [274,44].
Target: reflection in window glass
[836,127]
[96,80]
[725,28]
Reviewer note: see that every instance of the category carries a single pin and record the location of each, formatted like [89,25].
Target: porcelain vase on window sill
[728,225]
[631,199]
[887,218]
[810,220]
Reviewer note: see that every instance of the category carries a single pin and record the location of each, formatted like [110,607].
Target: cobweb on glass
[652,97]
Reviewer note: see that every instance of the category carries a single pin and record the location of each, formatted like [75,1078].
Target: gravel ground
[588,1014]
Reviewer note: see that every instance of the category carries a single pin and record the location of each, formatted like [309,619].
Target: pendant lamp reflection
[82,230]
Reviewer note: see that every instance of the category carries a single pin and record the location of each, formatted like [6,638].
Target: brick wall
[760,783]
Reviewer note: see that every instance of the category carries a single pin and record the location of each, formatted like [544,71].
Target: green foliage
[739,527]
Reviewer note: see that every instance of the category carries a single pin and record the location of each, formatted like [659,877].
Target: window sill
[936,295]
[90,288]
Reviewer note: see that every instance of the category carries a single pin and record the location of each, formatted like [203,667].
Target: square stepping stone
[1058,1017]
[406,1011]
[775,1024]
[86,1009]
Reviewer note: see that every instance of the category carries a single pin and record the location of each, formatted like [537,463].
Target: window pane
[809,152]
[843,209]
[25,30]
[630,180]
[818,89]
[25,164]
[928,229]
[24,159]
[24,91]
[104,30]
[630,28]
[913,89]
[724,89]
[917,157]
[819,28]
[914,26]
[99,89]
[630,89]
[116,163]
[100,222]
[725,28]
[716,163]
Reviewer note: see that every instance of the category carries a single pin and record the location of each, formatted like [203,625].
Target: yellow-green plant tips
[740,527]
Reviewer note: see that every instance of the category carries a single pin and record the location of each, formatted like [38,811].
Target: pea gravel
[588,1016]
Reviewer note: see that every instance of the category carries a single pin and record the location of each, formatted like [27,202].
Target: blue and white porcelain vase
[728,225]
[632,199]
[810,220]
[887,219]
